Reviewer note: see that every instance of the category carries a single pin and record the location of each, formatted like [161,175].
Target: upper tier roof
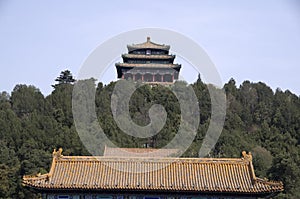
[148,45]
[192,175]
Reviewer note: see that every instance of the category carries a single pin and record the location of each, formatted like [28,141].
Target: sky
[246,40]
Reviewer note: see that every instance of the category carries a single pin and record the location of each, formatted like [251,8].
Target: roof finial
[148,39]
[247,156]
[57,154]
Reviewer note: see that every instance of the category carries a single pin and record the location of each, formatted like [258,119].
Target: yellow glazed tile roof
[207,175]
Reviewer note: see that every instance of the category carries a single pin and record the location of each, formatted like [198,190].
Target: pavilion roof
[148,45]
[139,56]
[207,175]
[150,65]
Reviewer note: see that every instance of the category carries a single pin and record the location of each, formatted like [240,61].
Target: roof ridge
[148,41]
[115,158]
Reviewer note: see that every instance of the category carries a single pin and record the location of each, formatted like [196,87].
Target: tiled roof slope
[139,152]
[148,45]
[207,175]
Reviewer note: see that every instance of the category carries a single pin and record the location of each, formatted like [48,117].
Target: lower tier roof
[151,65]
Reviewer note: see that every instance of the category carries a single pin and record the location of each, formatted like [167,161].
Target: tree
[65,77]
[25,99]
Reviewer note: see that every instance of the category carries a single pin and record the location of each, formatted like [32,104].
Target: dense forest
[259,120]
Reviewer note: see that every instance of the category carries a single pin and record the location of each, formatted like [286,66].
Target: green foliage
[257,120]
[26,99]
[262,161]
[65,77]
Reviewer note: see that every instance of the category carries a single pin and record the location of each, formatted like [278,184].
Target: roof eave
[122,189]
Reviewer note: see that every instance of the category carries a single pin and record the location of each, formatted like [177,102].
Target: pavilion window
[157,78]
[138,76]
[167,78]
[128,76]
[148,77]
[148,52]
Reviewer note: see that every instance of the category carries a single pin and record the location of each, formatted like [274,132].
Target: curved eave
[137,56]
[262,190]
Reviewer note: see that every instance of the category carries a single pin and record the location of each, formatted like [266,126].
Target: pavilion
[148,62]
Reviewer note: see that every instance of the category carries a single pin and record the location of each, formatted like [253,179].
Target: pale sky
[247,40]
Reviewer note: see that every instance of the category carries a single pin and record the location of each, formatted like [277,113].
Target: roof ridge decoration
[247,156]
[57,154]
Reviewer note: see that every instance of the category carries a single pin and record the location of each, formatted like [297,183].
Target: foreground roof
[193,175]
